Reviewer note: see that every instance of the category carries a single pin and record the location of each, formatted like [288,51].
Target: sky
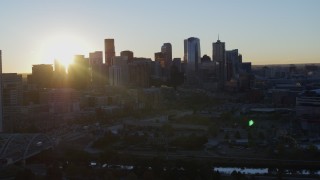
[265,32]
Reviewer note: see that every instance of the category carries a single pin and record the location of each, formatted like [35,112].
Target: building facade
[97,69]
[166,50]
[78,72]
[12,89]
[193,59]
[118,71]
[109,50]
[193,54]
[42,75]
[219,59]
[1,104]
[128,54]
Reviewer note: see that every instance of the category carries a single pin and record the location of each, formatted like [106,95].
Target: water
[229,170]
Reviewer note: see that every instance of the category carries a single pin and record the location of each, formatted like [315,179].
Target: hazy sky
[264,31]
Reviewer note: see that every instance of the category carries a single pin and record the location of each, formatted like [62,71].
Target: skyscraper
[42,75]
[218,51]
[1,104]
[95,58]
[192,53]
[78,72]
[12,90]
[97,69]
[109,50]
[218,57]
[192,59]
[166,50]
[59,75]
[233,62]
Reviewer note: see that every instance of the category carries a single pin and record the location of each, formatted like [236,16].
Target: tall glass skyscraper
[192,54]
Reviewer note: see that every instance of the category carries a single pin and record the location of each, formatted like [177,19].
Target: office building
[166,50]
[218,57]
[12,89]
[1,101]
[139,74]
[95,58]
[78,72]
[42,75]
[193,54]
[118,71]
[128,54]
[59,75]
[97,69]
[233,64]
[109,50]
[63,100]
[177,63]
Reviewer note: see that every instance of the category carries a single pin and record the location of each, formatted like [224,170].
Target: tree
[25,174]
[226,136]
[167,129]
[213,130]
[237,135]
[261,135]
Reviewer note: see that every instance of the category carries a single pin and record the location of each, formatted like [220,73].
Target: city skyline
[269,32]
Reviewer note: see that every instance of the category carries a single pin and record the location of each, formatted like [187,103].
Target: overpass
[17,147]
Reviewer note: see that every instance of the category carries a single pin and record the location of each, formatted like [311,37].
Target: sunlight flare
[62,47]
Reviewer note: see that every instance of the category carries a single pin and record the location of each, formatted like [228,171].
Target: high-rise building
[59,75]
[128,54]
[59,67]
[233,63]
[219,59]
[193,54]
[177,62]
[1,104]
[109,50]
[78,72]
[42,75]
[12,89]
[159,57]
[218,51]
[192,60]
[166,50]
[185,43]
[97,69]
[95,58]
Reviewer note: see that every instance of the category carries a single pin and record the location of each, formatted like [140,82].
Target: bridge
[17,147]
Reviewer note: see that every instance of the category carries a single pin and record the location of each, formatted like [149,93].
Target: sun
[62,47]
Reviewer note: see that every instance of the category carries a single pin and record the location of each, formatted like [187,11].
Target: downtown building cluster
[54,88]
[225,71]
[91,82]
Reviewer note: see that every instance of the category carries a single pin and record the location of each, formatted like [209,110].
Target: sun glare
[62,48]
